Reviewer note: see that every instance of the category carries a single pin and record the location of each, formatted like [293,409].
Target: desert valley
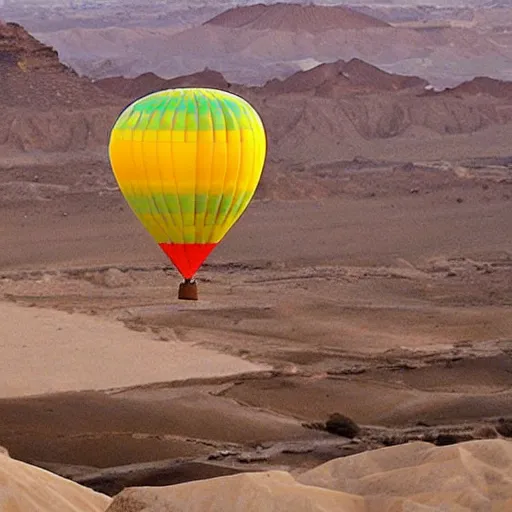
[352,346]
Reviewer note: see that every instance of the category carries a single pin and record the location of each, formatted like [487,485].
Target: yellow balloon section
[188,162]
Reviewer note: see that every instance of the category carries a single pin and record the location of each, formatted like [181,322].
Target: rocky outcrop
[33,77]
[19,49]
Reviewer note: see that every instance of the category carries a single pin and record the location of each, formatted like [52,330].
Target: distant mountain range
[330,113]
[253,44]
[49,15]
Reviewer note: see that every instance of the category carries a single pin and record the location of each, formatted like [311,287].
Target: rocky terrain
[343,110]
[46,105]
[34,78]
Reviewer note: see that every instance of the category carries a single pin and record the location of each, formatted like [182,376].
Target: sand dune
[25,488]
[416,477]
[470,477]
[474,476]
[261,492]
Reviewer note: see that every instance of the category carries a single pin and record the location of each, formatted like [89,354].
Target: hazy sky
[194,3]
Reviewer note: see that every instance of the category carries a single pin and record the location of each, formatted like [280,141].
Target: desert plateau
[351,348]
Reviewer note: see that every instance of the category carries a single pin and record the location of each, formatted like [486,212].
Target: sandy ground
[391,303]
[51,351]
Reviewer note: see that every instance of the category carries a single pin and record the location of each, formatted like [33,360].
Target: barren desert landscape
[352,346]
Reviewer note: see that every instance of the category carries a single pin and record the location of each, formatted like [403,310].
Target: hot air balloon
[188,162]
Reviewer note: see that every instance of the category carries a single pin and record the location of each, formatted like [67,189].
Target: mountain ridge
[33,77]
[333,112]
[294,17]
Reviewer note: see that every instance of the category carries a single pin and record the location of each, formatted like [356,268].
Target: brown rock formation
[33,77]
[46,105]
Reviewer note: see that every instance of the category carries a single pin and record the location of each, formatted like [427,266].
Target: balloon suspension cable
[188,290]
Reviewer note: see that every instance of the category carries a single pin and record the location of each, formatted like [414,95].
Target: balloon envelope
[188,162]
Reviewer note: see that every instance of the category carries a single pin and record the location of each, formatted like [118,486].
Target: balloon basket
[188,290]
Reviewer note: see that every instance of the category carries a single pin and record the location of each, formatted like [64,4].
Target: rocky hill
[294,18]
[149,82]
[33,77]
[338,78]
[45,104]
[483,85]
[339,110]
